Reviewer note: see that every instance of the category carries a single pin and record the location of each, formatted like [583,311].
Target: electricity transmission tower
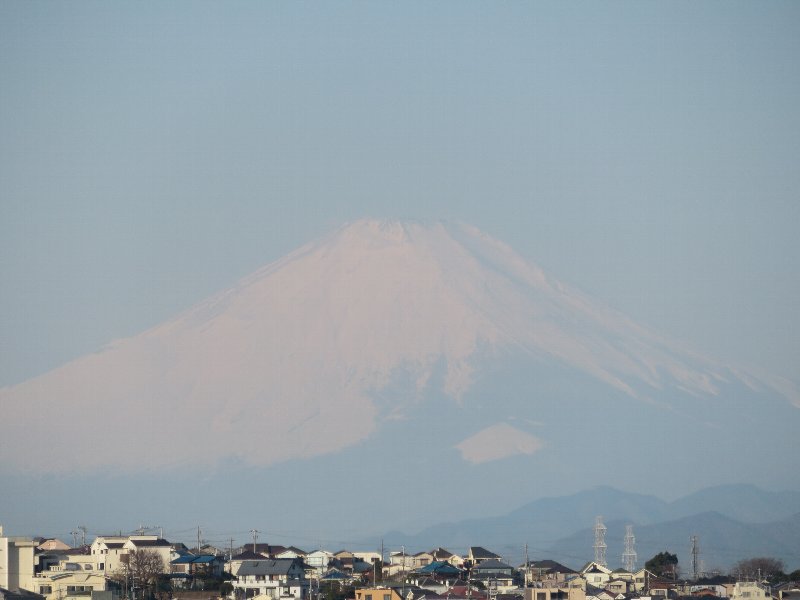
[695,557]
[599,541]
[629,556]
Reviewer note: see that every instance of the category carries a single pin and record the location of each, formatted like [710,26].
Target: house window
[387,596]
[367,596]
[45,589]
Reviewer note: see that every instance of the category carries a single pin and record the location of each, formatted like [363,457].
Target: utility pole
[255,533]
[600,541]
[629,555]
[381,559]
[403,550]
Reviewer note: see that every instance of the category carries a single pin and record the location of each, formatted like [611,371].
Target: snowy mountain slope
[293,361]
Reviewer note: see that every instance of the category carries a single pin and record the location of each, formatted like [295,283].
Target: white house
[319,560]
[750,590]
[107,551]
[272,578]
[595,574]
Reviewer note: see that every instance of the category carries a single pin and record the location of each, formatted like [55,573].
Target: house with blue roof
[187,566]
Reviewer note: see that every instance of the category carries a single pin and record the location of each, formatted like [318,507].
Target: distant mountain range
[745,521]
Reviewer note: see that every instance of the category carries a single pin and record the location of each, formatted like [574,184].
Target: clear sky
[152,153]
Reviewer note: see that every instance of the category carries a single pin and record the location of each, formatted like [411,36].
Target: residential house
[273,578]
[235,562]
[153,544]
[319,561]
[379,593]
[188,566]
[595,574]
[492,572]
[266,550]
[402,560]
[46,559]
[618,586]
[206,549]
[334,575]
[550,572]
[441,569]
[441,554]
[573,581]
[466,591]
[437,576]
[69,584]
[641,579]
[76,576]
[420,559]
[370,557]
[343,560]
[658,587]
[622,574]
[108,551]
[292,552]
[750,590]
[476,555]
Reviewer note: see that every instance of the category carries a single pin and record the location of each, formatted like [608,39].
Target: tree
[140,571]
[225,589]
[663,564]
[336,591]
[762,568]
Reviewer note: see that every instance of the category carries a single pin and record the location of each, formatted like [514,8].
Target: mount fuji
[420,370]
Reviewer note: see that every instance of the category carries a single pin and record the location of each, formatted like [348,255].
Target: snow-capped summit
[297,360]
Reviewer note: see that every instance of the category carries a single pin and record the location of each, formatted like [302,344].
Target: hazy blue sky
[152,153]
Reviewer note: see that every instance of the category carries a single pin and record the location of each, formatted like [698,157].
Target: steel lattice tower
[599,541]
[629,556]
[695,557]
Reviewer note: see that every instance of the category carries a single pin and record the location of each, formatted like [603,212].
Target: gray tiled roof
[267,566]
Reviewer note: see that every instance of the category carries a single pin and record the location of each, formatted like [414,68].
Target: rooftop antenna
[629,556]
[600,541]
[145,528]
